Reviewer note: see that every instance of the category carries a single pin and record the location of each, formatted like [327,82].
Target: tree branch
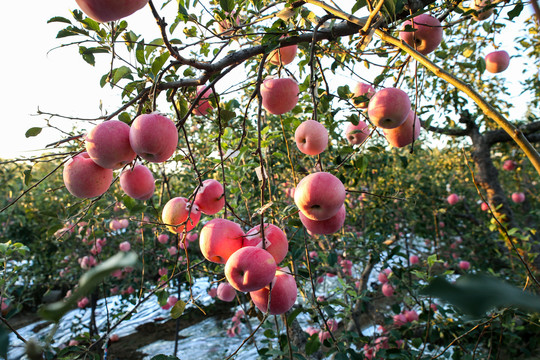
[499,136]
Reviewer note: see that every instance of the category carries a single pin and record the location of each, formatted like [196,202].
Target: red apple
[319,196]
[389,108]
[311,137]
[484,206]
[108,144]
[219,239]
[365,91]
[497,61]
[276,242]
[225,292]
[138,182]
[427,36]
[509,165]
[179,214]
[324,227]
[110,10]
[518,197]
[413,259]
[204,105]
[250,269]
[356,134]
[452,199]
[283,297]
[153,137]
[405,133]
[210,199]
[279,95]
[86,179]
[284,55]
[464,265]
[387,289]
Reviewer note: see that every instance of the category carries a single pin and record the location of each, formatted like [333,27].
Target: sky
[38,76]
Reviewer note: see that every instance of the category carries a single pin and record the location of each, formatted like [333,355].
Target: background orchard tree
[374,288]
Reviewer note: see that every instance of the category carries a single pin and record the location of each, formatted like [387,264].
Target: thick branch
[498,136]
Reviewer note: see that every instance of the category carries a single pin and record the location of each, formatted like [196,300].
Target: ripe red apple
[86,179]
[363,90]
[509,165]
[110,10]
[283,297]
[138,182]
[177,211]
[319,196]
[284,55]
[452,199]
[405,133]
[325,227]
[204,105]
[484,206]
[210,199]
[279,95]
[497,61]
[518,197]
[276,242]
[389,108]
[427,36]
[413,259]
[219,239]
[108,144]
[311,137]
[225,292]
[387,289]
[464,265]
[250,269]
[356,134]
[153,137]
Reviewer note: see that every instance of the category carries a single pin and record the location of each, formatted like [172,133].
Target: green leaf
[227,5]
[164,357]
[481,65]
[178,309]
[158,63]
[293,315]
[516,11]
[35,131]
[27,176]
[313,344]
[121,73]
[59,19]
[4,342]
[477,294]
[124,117]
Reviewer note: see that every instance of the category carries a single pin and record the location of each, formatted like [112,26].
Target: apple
[225,292]
[319,196]
[452,199]
[311,137]
[163,238]
[413,259]
[356,134]
[125,246]
[138,182]
[204,105]
[464,265]
[250,269]
[284,55]
[179,215]
[325,227]
[153,137]
[110,10]
[427,36]
[400,319]
[509,165]
[405,133]
[283,294]
[279,95]
[411,315]
[276,242]
[389,108]
[387,289]
[518,197]
[86,179]
[108,144]
[383,276]
[210,197]
[484,206]
[219,239]
[497,61]
[365,91]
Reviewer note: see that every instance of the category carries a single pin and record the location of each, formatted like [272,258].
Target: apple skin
[518,197]
[452,199]
[279,245]
[279,95]
[108,144]
[497,61]
[225,292]
[404,135]
[153,137]
[176,212]
[284,293]
[108,10]
[319,196]
[250,269]
[284,55]
[138,182]
[210,199]
[86,179]
[325,227]
[219,239]
[204,105]
[357,134]
[389,108]
[365,90]
[509,165]
[428,34]
[311,137]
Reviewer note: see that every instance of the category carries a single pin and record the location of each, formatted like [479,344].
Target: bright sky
[60,81]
